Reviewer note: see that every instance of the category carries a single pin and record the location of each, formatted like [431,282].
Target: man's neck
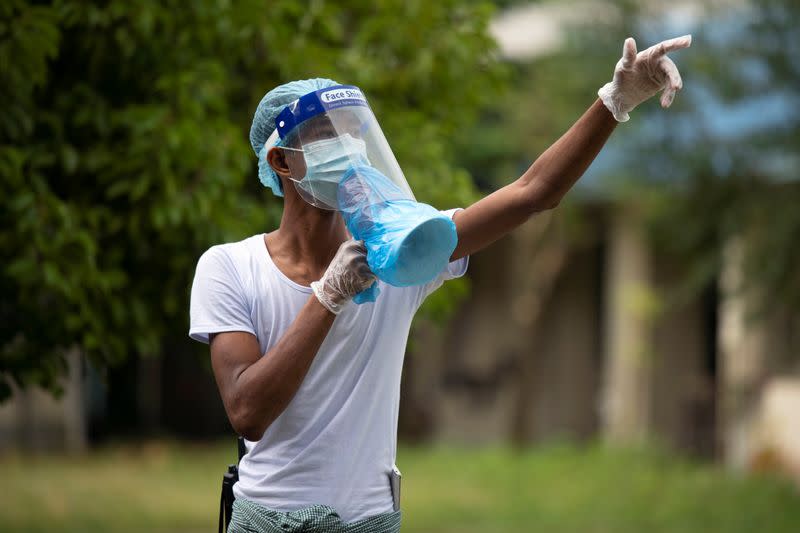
[306,240]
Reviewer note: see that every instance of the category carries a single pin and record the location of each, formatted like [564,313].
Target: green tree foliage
[124,146]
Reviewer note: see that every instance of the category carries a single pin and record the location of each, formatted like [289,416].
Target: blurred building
[589,343]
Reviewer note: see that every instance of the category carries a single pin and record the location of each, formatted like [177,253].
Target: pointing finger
[672,44]
[628,52]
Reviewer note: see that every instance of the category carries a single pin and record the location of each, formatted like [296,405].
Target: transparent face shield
[333,146]
[339,159]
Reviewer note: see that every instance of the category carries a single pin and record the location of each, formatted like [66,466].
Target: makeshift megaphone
[408,243]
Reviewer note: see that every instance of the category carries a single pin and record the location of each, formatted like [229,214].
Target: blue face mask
[326,162]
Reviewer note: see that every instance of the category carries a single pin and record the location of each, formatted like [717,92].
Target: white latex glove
[347,275]
[637,77]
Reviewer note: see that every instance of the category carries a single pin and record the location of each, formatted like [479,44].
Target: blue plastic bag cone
[408,243]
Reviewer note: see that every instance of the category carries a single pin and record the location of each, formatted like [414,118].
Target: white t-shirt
[335,443]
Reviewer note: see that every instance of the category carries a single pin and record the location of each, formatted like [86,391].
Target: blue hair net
[264,122]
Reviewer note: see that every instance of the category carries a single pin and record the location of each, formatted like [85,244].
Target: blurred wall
[34,421]
[540,386]
[758,347]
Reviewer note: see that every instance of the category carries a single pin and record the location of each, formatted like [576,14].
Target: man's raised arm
[637,77]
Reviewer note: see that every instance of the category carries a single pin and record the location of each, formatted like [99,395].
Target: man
[310,379]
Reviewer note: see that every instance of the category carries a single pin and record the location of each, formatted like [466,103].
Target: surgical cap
[264,122]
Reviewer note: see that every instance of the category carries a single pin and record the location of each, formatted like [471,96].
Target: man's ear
[277,160]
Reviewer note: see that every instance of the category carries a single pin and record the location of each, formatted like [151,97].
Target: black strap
[226,497]
[242,448]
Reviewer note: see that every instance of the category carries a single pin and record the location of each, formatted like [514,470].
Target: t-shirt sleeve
[217,303]
[454,269]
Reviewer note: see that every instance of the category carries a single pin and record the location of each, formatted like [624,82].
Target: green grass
[175,487]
